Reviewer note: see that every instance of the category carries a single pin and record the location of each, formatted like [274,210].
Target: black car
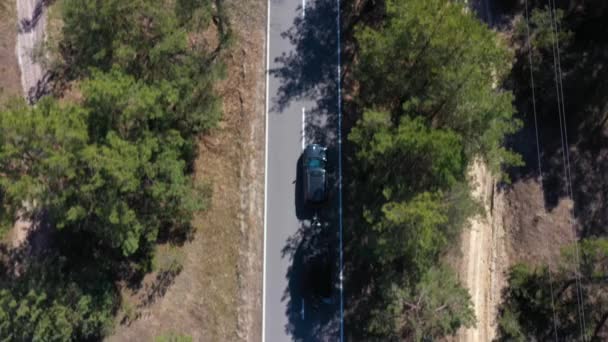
[314,161]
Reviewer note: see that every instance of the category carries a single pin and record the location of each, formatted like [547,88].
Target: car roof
[316,185]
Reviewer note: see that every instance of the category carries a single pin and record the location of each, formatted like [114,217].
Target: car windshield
[314,163]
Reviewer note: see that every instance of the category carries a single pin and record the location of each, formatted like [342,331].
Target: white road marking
[303,144]
[302,312]
[266,173]
[303,127]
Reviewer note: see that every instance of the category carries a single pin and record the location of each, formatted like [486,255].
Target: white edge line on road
[266,171]
[303,127]
[340,171]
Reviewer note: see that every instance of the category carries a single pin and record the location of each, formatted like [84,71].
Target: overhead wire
[540,170]
[566,160]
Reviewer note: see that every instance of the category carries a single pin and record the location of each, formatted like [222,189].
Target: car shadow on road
[311,296]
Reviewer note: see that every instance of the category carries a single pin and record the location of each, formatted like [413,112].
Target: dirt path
[31,23]
[516,227]
[484,257]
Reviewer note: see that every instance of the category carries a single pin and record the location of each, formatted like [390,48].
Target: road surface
[301,262]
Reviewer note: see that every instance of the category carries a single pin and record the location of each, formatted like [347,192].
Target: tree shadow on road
[310,71]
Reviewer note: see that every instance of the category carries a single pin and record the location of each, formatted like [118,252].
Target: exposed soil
[483,254]
[217,295]
[516,228]
[21,230]
[31,24]
[536,235]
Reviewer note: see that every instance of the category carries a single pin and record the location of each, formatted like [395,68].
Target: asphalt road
[302,292]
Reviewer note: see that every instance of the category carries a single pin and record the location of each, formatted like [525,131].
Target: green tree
[109,173]
[435,307]
[429,159]
[48,304]
[415,203]
[144,39]
[435,60]
[528,310]
[194,13]
[39,149]
[122,182]
[540,47]
[530,288]
[429,77]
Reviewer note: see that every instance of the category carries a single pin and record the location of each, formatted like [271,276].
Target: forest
[108,168]
[429,101]
[433,90]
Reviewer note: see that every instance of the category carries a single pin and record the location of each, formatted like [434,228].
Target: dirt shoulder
[217,295]
[483,258]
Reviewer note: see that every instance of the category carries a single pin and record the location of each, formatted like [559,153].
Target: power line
[566,158]
[540,170]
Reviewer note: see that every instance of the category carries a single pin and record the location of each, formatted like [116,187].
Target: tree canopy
[109,172]
[528,310]
[429,78]
[111,166]
[435,60]
[52,303]
[437,306]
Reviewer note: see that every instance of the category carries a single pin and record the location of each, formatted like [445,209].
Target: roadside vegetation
[172,337]
[564,299]
[106,174]
[542,303]
[429,102]
[10,82]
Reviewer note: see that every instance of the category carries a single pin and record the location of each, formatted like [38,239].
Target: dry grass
[217,295]
[10,77]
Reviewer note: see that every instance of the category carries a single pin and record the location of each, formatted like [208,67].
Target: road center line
[303,8]
[303,127]
[302,312]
